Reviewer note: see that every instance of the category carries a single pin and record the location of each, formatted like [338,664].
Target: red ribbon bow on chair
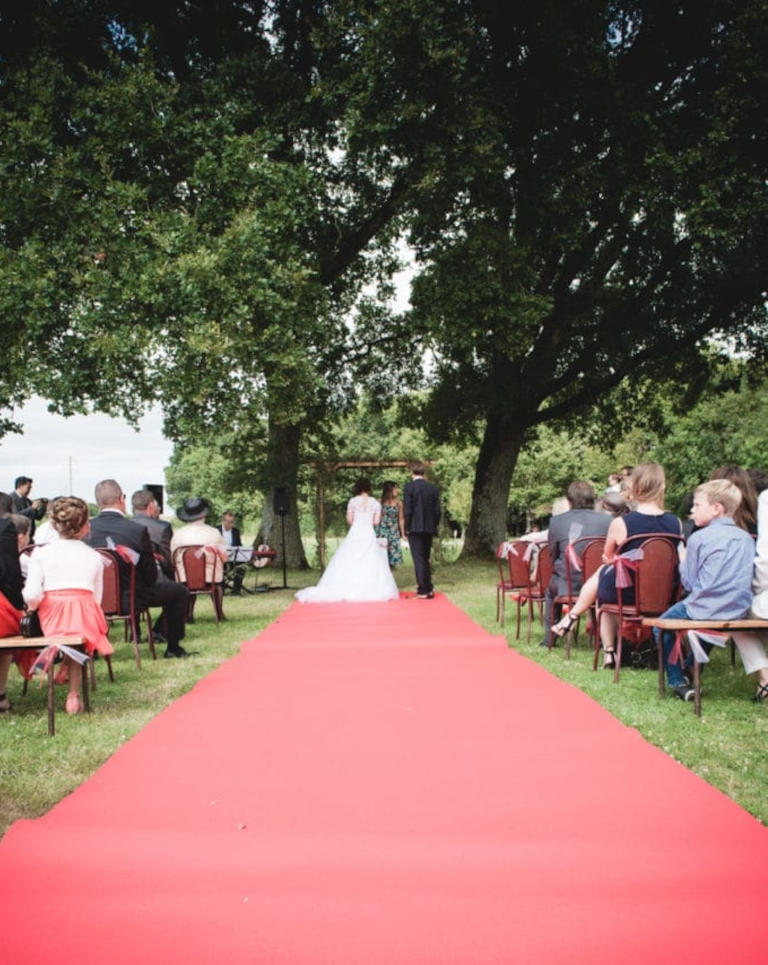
[626,564]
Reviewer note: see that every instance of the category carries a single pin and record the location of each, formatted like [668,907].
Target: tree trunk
[282,472]
[496,461]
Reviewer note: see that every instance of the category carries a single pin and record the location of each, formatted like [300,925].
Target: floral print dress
[389,528]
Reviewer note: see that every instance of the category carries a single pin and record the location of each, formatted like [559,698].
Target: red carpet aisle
[386,783]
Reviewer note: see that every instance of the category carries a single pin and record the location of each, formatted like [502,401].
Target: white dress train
[359,569]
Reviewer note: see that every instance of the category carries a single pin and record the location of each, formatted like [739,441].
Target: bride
[359,569]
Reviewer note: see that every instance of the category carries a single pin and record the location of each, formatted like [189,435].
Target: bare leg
[74,704]
[587,596]
[608,625]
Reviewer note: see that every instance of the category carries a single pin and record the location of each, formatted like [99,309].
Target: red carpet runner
[386,783]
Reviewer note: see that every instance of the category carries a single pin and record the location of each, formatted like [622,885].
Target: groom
[421,508]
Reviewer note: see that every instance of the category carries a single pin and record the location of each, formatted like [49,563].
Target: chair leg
[92,668]
[135,638]
[110,670]
[696,687]
[597,640]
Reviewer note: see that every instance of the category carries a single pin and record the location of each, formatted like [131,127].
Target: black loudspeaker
[157,491]
[281,503]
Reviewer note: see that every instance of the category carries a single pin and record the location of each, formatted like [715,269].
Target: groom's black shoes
[425,596]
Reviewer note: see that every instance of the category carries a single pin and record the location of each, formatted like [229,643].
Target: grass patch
[726,746]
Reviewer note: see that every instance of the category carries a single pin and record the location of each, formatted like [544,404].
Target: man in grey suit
[421,509]
[147,512]
[580,520]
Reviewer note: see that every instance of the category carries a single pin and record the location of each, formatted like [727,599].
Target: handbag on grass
[30,624]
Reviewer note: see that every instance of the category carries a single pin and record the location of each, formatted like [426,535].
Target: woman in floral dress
[392,525]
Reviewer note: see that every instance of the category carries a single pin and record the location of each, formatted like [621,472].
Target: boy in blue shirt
[716,571]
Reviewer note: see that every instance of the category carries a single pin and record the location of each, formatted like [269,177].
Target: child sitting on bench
[716,571]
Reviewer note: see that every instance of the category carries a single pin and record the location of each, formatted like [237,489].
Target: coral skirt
[75,613]
[9,618]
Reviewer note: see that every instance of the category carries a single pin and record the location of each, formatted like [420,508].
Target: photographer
[24,506]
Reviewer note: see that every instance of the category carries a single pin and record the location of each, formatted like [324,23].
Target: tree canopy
[200,205]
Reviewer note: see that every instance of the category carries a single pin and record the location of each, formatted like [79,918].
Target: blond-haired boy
[716,570]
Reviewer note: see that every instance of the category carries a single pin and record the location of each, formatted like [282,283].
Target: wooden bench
[681,627]
[40,643]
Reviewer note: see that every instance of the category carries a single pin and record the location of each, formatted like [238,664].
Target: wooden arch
[327,470]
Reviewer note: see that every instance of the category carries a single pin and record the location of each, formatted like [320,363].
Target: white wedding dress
[359,569]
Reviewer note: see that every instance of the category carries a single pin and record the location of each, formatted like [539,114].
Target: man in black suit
[111,528]
[421,509]
[10,587]
[23,505]
[232,538]
[580,520]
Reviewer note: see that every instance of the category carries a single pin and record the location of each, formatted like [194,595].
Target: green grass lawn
[726,746]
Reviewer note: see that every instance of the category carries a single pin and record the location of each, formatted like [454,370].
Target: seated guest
[22,525]
[746,514]
[613,503]
[229,531]
[231,535]
[752,645]
[716,571]
[11,602]
[647,486]
[198,533]
[147,513]
[46,531]
[110,528]
[65,584]
[579,520]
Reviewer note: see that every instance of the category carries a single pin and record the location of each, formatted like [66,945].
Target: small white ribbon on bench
[696,638]
[46,657]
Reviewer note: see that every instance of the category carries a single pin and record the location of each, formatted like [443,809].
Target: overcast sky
[99,448]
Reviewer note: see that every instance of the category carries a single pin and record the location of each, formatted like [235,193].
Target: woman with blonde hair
[647,488]
[64,585]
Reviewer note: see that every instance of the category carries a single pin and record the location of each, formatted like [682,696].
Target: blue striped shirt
[717,571]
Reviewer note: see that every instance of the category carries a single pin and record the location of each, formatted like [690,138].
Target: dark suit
[172,597]
[11,581]
[160,534]
[22,506]
[237,570]
[421,510]
[564,529]
[236,540]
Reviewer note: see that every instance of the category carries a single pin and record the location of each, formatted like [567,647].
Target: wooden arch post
[327,470]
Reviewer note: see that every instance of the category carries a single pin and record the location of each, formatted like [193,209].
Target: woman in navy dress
[647,488]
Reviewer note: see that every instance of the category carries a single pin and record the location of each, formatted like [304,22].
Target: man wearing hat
[198,533]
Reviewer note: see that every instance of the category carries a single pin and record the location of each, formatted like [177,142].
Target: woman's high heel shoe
[609,661]
[564,625]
